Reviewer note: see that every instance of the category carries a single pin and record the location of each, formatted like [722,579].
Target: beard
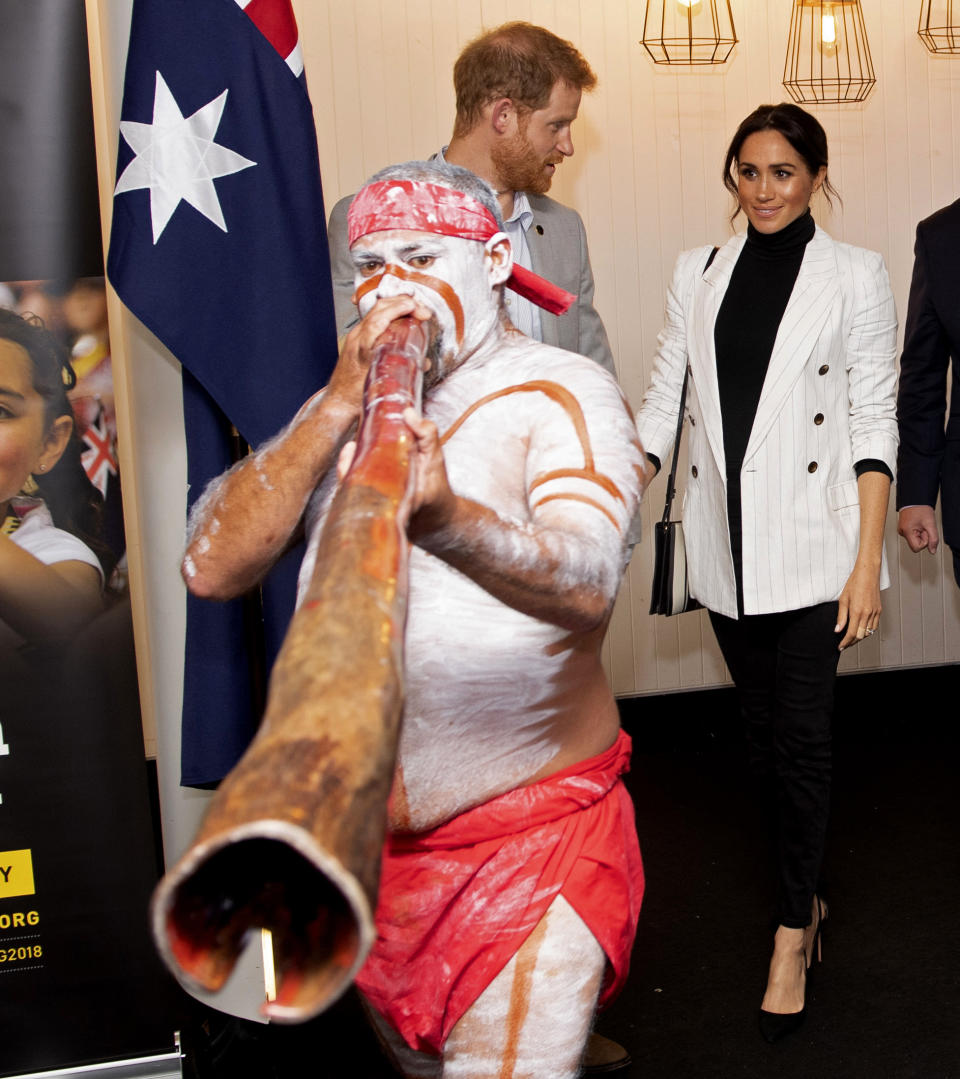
[520,168]
[441,354]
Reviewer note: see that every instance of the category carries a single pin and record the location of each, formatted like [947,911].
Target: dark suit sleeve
[922,397]
[341,268]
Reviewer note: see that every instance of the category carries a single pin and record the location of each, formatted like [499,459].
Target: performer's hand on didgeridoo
[345,388]
[433,501]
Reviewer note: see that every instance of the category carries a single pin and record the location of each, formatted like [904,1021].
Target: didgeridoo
[292,839]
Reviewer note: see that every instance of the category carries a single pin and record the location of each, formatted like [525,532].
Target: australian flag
[219,246]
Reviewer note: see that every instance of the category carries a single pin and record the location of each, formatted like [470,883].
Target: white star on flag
[177,158]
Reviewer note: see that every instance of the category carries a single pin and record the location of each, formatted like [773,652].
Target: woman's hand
[859,606]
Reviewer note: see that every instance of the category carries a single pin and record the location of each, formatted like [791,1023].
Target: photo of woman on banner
[51,575]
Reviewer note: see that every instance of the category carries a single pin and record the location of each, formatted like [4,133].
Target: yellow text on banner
[16,873]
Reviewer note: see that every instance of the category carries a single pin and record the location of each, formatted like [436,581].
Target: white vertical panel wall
[650,143]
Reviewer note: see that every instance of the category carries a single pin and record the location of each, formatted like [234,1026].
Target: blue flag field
[218,246]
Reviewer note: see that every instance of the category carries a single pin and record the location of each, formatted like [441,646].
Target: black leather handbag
[669,593]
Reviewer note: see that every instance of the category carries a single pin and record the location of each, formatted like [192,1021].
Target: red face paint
[424,207]
[439,286]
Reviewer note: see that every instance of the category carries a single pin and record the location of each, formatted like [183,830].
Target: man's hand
[345,389]
[555,573]
[433,502]
[918,526]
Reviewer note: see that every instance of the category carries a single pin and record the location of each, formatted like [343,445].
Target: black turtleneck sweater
[746,329]
[744,335]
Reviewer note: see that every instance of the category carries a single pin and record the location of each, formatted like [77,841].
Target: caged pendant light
[688,31]
[828,55]
[939,27]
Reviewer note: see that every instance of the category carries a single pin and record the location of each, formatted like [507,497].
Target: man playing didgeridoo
[511,879]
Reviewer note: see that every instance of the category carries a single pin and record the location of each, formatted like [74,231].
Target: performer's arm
[248,517]
[562,567]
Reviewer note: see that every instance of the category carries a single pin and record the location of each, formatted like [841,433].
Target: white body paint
[532,1020]
[492,694]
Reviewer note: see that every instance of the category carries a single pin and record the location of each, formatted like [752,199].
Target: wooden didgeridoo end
[265,874]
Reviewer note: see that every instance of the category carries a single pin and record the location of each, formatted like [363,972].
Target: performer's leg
[533,1020]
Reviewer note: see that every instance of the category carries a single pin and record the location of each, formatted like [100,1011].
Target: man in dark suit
[929,459]
[518,92]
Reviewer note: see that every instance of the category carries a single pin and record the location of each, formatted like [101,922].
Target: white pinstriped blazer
[828,401]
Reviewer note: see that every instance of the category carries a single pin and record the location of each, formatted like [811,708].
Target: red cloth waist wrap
[426,207]
[458,901]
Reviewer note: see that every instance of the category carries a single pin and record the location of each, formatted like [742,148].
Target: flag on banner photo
[218,246]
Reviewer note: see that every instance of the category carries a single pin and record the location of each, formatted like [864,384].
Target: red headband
[425,207]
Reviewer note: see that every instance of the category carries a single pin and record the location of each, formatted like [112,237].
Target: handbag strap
[672,478]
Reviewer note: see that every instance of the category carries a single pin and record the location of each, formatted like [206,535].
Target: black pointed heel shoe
[816,946]
[775,1026]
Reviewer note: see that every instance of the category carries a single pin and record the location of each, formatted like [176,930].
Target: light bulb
[829,38]
[691,6]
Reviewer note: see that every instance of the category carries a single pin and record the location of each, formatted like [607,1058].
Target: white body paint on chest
[491,692]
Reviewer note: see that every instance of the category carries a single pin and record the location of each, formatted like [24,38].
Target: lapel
[811,301]
[540,240]
[707,294]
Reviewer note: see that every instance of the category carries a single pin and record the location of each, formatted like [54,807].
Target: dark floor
[886,1000]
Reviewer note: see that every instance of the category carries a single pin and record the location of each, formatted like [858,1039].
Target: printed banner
[79,978]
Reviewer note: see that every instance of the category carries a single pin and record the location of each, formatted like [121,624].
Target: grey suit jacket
[558,250]
[827,402]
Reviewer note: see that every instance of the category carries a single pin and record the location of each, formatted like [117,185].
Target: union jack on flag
[219,246]
[100,457]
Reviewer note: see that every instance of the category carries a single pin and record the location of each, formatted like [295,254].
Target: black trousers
[784,666]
